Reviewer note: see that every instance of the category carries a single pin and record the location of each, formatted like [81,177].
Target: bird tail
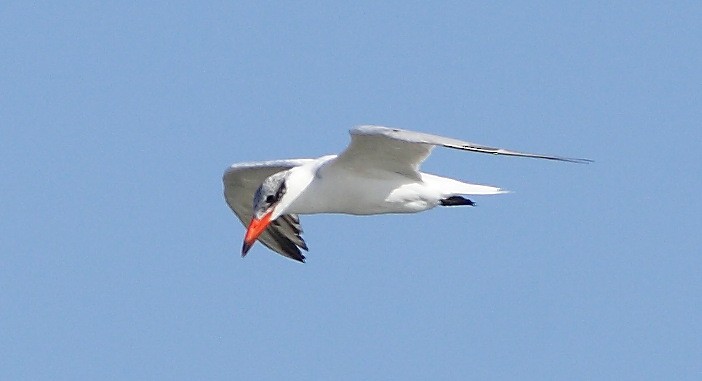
[452,187]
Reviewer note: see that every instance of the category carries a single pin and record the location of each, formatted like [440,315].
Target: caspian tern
[377,173]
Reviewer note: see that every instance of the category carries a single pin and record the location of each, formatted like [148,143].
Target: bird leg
[456,201]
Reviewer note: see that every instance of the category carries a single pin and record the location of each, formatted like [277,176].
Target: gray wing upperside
[384,149]
[240,183]
[420,138]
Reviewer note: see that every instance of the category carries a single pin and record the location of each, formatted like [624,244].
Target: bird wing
[240,183]
[402,151]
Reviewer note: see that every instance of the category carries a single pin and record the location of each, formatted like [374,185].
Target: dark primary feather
[287,232]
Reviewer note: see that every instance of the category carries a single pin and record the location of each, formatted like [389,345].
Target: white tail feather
[452,187]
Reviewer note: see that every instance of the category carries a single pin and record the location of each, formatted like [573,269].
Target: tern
[377,173]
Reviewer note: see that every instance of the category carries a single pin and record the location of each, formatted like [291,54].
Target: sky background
[119,258]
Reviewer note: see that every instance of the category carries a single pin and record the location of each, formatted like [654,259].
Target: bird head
[270,202]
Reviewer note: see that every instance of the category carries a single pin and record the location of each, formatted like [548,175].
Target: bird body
[378,173]
[349,191]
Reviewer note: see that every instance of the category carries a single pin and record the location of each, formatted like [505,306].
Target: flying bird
[377,173]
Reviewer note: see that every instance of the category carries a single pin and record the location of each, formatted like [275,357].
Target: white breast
[349,192]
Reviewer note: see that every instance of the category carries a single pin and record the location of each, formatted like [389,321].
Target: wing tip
[571,160]
[297,257]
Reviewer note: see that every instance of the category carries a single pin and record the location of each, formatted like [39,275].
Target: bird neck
[297,182]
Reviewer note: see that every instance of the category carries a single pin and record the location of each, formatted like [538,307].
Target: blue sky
[120,260]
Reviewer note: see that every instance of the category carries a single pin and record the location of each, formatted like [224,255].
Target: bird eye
[270,199]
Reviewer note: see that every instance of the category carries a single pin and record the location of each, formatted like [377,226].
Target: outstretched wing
[402,151]
[240,183]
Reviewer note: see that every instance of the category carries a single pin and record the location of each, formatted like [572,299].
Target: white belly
[349,194]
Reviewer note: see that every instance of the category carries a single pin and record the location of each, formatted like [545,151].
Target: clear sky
[120,260]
